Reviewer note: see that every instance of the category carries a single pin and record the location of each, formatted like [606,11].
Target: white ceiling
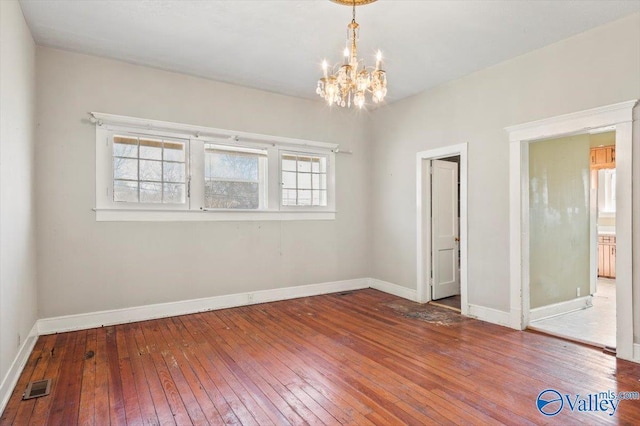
[279,45]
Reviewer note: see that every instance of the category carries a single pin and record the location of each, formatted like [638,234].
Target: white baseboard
[163,310]
[636,353]
[395,289]
[560,308]
[493,316]
[11,378]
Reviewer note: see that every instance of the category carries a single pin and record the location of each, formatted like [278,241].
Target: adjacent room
[319,212]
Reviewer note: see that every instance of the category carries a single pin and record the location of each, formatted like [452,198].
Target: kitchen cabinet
[607,256]
[603,157]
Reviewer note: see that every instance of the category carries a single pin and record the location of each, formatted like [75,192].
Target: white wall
[86,266]
[17,218]
[596,68]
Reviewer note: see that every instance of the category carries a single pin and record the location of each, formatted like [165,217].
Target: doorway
[620,118]
[442,226]
[572,237]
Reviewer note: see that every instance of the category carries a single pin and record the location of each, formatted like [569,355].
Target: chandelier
[347,86]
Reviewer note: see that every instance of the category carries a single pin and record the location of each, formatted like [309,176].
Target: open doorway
[572,237]
[619,117]
[442,227]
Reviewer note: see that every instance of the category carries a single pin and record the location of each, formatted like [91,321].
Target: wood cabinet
[603,157]
[607,256]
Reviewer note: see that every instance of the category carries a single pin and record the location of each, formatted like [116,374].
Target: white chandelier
[353,79]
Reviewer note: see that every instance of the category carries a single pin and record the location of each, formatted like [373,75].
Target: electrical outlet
[578,292]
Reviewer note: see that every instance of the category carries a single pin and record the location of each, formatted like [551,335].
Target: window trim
[196,137]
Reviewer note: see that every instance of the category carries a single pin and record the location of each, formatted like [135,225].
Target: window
[148,170]
[304,180]
[161,171]
[234,179]
[607,191]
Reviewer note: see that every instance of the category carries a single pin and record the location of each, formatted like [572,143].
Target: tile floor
[595,325]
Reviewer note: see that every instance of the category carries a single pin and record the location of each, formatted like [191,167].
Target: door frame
[423,220]
[620,118]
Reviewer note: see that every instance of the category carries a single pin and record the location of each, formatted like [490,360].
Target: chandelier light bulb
[353,79]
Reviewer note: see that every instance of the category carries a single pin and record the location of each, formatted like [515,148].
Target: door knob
[457,239]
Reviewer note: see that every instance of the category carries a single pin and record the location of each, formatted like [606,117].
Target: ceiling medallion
[347,83]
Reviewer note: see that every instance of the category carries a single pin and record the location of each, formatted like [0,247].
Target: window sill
[121,215]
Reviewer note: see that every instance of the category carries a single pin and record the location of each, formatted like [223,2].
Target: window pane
[304,180]
[150,192]
[232,195]
[229,165]
[151,170]
[125,191]
[289,163]
[124,168]
[310,180]
[125,147]
[289,180]
[289,197]
[173,151]
[174,193]
[174,172]
[156,168]
[304,164]
[151,149]
[304,197]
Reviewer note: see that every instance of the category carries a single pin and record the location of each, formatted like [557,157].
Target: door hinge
[189,188]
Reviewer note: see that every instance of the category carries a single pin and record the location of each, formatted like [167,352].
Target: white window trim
[193,210]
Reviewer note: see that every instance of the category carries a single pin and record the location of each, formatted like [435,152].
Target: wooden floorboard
[354,358]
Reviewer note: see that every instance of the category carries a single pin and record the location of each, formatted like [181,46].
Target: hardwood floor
[354,358]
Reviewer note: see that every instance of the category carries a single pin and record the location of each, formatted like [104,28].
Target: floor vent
[37,389]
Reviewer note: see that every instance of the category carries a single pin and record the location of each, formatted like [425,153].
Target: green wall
[559,219]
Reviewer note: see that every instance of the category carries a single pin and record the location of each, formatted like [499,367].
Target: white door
[444,229]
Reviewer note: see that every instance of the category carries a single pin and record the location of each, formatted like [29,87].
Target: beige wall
[559,235]
[602,139]
[558,79]
[87,266]
[17,218]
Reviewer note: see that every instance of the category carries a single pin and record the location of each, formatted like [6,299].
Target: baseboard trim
[163,310]
[493,316]
[561,308]
[636,353]
[395,289]
[11,378]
